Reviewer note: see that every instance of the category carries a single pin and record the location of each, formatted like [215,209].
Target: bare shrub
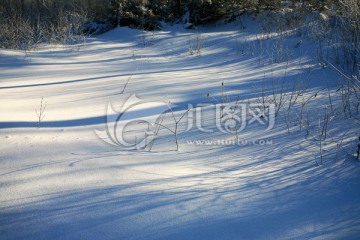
[40,113]
[26,23]
[195,44]
[348,38]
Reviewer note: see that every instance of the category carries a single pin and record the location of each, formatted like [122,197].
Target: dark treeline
[24,23]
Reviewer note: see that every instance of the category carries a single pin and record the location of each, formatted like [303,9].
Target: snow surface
[61,181]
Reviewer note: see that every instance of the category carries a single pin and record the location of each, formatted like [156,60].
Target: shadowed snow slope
[61,181]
